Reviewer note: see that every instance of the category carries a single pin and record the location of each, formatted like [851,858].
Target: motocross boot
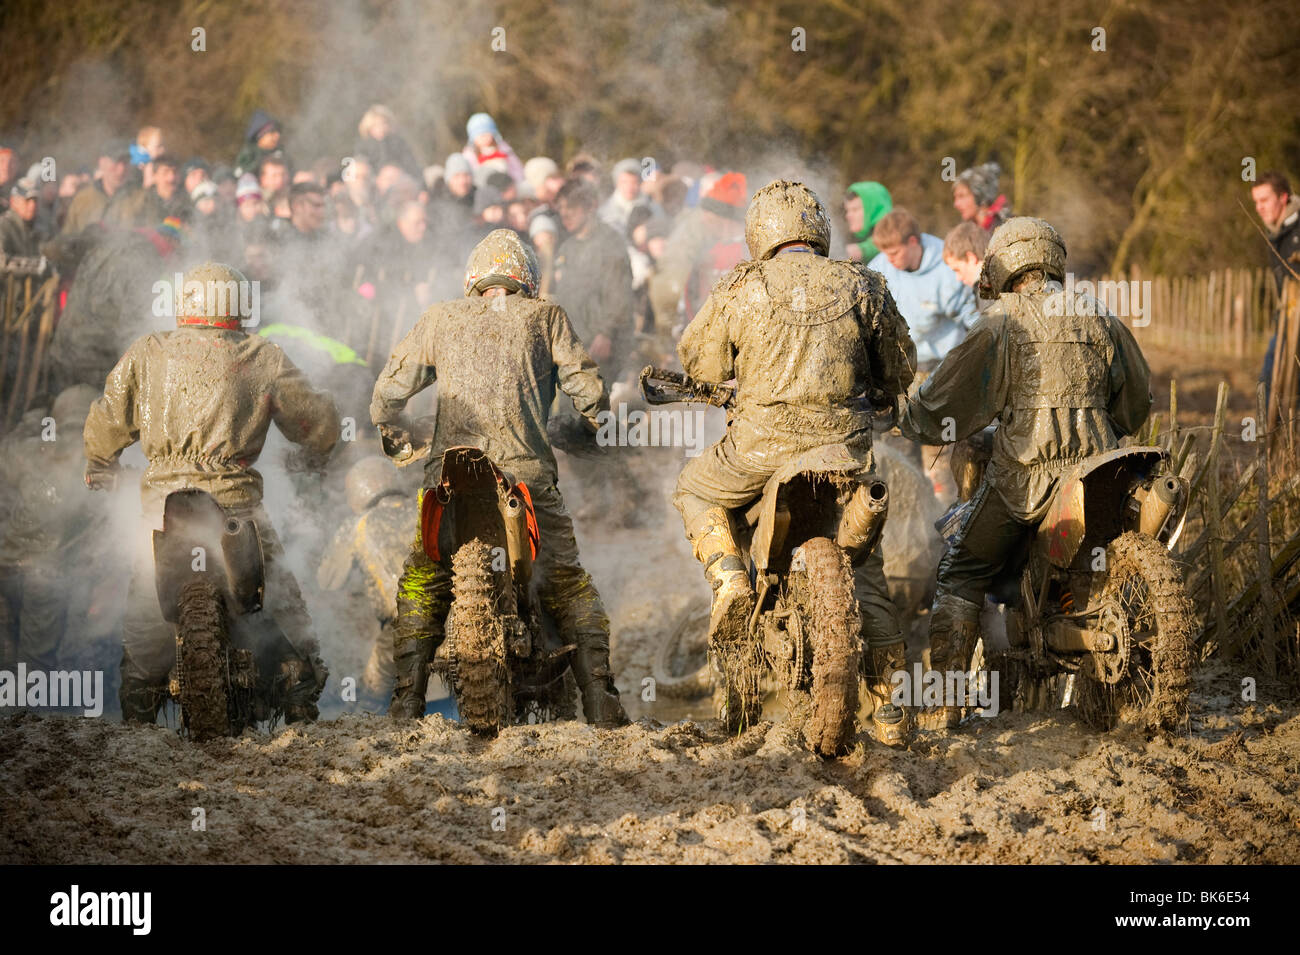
[891,724]
[715,547]
[600,702]
[954,628]
[301,680]
[423,599]
[411,658]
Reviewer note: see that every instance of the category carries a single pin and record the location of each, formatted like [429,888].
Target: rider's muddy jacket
[499,363]
[200,400]
[377,543]
[1064,378]
[808,339]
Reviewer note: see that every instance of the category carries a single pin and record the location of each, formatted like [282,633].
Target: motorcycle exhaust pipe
[863,520]
[517,546]
[1158,503]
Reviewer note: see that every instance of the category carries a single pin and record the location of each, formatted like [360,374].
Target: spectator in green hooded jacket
[864,204]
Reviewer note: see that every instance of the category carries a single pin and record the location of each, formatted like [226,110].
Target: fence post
[1173,414]
[1213,519]
[1265,546]
[6,320]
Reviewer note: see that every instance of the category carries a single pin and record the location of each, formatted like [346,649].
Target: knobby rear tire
[203,656]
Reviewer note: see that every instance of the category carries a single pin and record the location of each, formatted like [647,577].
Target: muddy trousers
[149,641]
[33,616]
[989,538]
[564,587]
[719,478]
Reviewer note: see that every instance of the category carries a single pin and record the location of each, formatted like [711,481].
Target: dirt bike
[1100,617]
[502,657]
[816,516]
[680,664]
[210,576]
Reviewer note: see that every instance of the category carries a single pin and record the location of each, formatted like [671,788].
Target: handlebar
[662,387]
[403,446]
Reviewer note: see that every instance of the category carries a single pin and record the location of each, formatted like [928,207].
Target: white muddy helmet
[210,295]
[501,259]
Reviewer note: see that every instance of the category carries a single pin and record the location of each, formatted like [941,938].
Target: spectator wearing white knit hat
[627,195]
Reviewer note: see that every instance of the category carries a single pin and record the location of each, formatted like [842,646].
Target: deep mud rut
[1016,788]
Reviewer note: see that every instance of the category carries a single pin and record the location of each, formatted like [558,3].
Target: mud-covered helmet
[370,479]
[784,211]
[501,259]
[210,294]
[1018,245]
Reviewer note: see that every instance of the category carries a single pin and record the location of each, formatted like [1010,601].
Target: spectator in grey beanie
[451,200]
[976,198]
[457,182]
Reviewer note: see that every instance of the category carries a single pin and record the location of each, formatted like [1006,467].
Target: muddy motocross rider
[374,542]
[498,355]
[1064,378]
[807,338]
[200,400]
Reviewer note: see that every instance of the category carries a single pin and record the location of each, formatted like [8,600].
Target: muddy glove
[884,410]
[404,444]
[395,439]
[574,435]
[100,478]
[306,471]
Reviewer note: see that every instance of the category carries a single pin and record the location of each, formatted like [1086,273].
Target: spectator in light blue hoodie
[937,306]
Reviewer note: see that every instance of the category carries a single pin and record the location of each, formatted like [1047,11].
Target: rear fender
[1090,499]
[199,538]
[798,493]
[478,500]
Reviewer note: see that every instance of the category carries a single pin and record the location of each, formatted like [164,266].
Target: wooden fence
[1225,312]
[28,309]
[1241,545]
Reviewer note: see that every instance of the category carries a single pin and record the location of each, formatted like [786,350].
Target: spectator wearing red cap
[696,230]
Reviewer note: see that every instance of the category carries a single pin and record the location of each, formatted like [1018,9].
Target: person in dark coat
[262,138]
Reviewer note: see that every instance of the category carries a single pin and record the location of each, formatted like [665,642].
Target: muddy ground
[1016,788]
